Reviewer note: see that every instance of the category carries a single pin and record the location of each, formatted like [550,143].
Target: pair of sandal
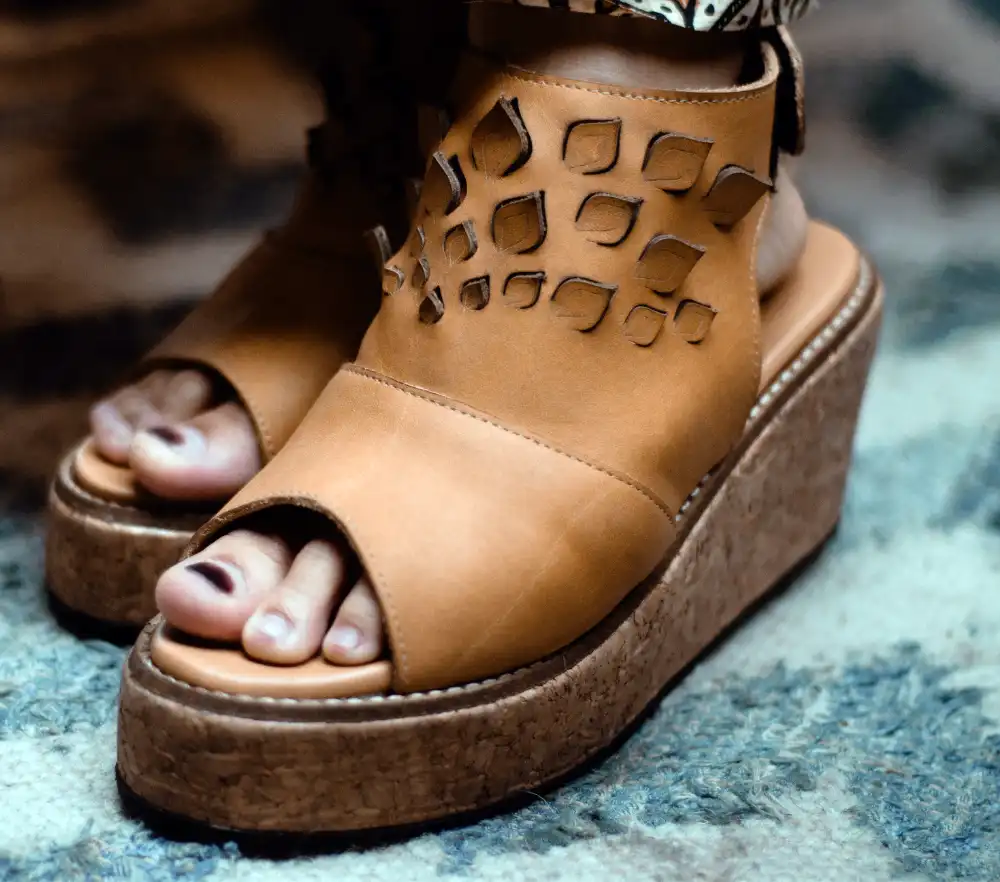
[574,445]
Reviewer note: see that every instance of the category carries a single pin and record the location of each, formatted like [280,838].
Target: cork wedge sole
[312,766]
[102,559]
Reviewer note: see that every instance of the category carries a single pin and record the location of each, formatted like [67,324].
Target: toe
[209,457]
[159,397]
[112,432]
[357,636]
[115,420]
[183,396]
[288,627]
[214,593]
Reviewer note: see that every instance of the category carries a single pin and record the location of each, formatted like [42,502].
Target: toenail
[167,434]
[214,574]
[273,626]
[345,636]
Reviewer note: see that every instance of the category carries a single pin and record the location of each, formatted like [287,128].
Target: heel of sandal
[783,497]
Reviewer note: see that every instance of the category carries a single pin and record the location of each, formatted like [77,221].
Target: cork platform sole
[301,766]
[102,559]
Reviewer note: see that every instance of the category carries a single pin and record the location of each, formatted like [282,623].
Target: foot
[181,442]
[286,602]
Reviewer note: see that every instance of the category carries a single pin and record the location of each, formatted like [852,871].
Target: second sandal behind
[574,448]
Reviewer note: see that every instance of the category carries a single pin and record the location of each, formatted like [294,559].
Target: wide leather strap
[583,269]
[487,549]
[568,342]
[287,317]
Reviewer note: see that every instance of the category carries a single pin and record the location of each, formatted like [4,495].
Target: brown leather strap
[285,319]
[790,111]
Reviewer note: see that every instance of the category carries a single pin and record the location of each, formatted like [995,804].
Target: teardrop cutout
[693,321]
[733,195]
[674,162]
[501,143]
[582,303]
[644,324]
[591,146]
[475,293]
[607,218]
[519,224]
[522,290]
[666,262]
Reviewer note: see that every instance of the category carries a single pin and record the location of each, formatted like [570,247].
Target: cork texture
[103,559]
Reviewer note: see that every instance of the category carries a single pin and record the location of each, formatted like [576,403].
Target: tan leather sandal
[276,331]
[575,447]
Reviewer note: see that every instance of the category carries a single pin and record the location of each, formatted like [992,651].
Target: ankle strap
[790,109]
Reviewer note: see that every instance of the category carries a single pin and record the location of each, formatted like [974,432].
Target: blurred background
[144,143]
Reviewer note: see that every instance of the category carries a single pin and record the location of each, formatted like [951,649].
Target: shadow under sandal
[276,330]
[575,446]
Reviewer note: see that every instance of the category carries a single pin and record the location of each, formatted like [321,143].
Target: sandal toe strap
[488,550]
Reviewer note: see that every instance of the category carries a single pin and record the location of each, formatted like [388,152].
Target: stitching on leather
[635,96]
[819,342]
[752,282]
[417,393]
[266,437]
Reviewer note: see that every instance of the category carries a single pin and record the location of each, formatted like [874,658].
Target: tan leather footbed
[103,478]
[791,317]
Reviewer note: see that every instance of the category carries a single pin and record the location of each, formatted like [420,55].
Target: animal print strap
[697,15]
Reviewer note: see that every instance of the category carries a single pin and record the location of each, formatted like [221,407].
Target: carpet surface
[849,731]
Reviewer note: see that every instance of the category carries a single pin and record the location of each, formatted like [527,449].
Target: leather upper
[287,317]
[641,351]
[568,342]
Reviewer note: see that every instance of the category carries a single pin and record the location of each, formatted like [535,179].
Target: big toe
[207,458]
[214,592]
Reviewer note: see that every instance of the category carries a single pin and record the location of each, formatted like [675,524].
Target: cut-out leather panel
[666,262]
[693,320]
[519,225]
[608,219]
[591,146]
[460,243]
[501,143]
[735,192]
[432,308]
[421,273]
[582,303]
[392,280]
[421,239]
[475,293]
[522,290]
[377,240]
[674,162]
[644,324]
[444,187]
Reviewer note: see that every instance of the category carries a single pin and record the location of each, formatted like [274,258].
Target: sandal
[273,334]
[574,448]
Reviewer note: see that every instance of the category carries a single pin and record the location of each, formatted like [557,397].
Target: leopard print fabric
[698,15]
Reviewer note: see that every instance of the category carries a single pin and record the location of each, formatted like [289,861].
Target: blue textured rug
[848,732]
